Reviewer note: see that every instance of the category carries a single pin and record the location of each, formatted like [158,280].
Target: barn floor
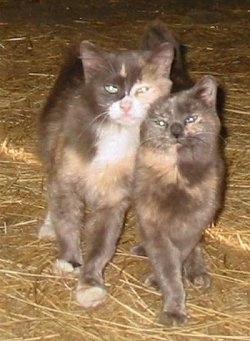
[34,303]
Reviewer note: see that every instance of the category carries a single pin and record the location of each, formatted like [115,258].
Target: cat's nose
[126,105]
[176,129]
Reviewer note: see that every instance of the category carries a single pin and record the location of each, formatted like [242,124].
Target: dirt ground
[34,303]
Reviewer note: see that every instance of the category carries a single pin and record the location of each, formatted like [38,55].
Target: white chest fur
[116,142]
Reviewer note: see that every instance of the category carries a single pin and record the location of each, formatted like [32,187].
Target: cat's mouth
[127,113]
[179,141]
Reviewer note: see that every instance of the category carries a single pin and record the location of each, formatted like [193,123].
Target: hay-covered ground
[34,303]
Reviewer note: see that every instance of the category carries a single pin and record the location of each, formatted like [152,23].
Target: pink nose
[126,105]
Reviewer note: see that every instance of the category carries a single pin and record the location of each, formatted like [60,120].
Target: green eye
[143,89]
[161,123]
[191,119]
[111,88]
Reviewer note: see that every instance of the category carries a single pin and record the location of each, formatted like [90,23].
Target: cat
[178,190]
[89,133]
[156,33]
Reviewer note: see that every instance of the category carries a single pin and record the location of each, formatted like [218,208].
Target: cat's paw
[62,267]
[90,296]
[151,281]
[172,319]
[47,231]
[200,281]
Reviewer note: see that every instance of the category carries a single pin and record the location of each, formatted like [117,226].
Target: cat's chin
[128,121]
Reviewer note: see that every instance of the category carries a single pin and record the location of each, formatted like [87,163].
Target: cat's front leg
[65,217]
[166,263]
[194,269]
[46,230]
[102,230]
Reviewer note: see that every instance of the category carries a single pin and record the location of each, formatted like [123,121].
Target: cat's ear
[92,58]
[162,58]
[206,90]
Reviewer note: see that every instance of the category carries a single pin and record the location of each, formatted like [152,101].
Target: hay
[37,305]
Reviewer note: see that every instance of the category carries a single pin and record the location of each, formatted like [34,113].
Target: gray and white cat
[88,138]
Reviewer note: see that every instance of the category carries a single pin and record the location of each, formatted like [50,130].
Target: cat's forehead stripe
[123,71]
[171,106]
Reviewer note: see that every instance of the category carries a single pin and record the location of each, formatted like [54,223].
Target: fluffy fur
[88,138]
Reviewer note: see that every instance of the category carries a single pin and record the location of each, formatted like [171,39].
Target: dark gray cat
[178,190]
[157,33]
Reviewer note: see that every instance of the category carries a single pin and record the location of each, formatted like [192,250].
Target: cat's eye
[111,88]
[143,89]
[161,123]
[191,119]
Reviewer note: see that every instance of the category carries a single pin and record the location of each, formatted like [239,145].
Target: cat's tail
[157,33]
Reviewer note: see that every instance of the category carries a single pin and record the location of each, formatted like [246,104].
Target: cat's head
[122,85]
[186,120]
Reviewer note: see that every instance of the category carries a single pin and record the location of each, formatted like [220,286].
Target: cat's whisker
[210,133]
[100,127]
[147,140]
[195,137]
[157,146]
[101,123]
[92,122]
[102,114]
[153,138]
